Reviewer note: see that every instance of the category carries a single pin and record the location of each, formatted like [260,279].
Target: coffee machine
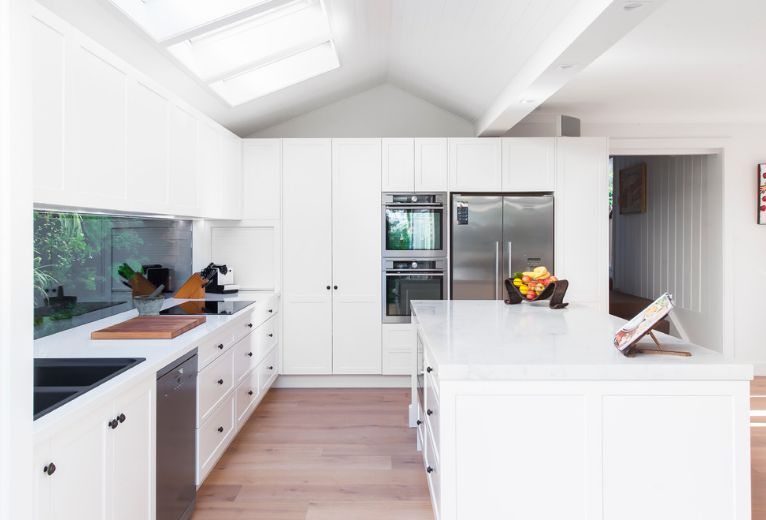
[221,279]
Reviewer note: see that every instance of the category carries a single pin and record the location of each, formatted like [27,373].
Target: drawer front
[242,327]
[266,336]
[246,395]
[212,347]
[433,475]
[213,437]
[265,309]
[432,409]
[213,382]
[243,358]
[268,370]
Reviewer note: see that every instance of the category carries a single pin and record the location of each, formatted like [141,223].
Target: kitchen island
[525,412]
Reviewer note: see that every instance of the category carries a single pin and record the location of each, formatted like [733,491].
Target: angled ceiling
[693,61]
[462,55]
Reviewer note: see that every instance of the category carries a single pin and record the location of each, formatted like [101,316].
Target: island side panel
[606,450]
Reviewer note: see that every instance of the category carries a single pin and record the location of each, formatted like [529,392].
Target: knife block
[192,289]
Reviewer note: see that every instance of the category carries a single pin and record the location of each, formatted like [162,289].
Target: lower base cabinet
[91,469]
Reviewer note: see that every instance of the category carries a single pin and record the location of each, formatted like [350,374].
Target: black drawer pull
[220,381]
[250,325]
[429,412]
[270,335]
[250,392]
[271,310]
[113,424]
[121,417]
[429,370]
[249,354]
[270,367]
[418,422]
[220,429]
[220,346]
[429,469]
[50,469]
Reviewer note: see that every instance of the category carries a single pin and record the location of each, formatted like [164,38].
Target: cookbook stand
[658,351]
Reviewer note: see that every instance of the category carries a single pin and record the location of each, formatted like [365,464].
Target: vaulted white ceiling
[485,60]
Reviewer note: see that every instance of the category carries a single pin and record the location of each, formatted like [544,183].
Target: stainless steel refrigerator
[494,236]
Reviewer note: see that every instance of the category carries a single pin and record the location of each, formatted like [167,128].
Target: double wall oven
[414,251]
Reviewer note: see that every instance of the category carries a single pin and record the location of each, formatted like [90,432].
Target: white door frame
[16,344]
[693,146]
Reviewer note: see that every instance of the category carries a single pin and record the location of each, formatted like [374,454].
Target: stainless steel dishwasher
[176,438]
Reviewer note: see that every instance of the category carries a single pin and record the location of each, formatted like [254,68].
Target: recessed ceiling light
[566,66]
[631,6]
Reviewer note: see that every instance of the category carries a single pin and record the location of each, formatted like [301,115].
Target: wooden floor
[349,455]
[320,455]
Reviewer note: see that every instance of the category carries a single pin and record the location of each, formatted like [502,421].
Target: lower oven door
[399,288]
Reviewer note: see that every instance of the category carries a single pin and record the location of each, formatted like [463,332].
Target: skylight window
[242,49]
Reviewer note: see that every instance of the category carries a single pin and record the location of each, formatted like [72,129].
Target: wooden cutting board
[150,327]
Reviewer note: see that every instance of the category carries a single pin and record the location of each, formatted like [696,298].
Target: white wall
[676,245]
[382,111]
[743,146]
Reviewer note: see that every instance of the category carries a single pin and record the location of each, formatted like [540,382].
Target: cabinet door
[42,485]
[431,164]
[232,189]
[398,165]
[78,486]
[95,128]
[131,451]
[262,179]
[356,256]
[529,164]
[212,180]
[184,197]
[582,219]
[307,249]
[475,164]
[147,148]
[46,67]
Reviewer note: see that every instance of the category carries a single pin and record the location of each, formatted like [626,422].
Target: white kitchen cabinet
[211,177]
[431,164]
[529,164]
[356,251]
[307,256]
[398,349]
[148,125]
[474,164]
[582,219]
[89,470]
[184,192]
[398,164]
[232,168]
[262,179]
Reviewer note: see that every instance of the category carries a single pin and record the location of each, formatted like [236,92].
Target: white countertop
[76,343]
[489,340]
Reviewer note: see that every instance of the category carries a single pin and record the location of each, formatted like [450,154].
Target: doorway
[666,234]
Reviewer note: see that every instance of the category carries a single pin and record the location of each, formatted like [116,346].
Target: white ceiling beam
[589,29]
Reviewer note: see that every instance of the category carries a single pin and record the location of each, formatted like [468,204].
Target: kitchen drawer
[242,327]
[213,346]
[268,369]
[265,309]
[244,358]
[213,437]
[265,337]
[213,382]
[431,462]
[246,396]
[432,417]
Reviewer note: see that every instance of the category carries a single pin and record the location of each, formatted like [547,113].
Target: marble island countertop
[489,340]
[76,343]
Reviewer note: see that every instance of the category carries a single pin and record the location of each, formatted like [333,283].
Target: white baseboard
[338,381]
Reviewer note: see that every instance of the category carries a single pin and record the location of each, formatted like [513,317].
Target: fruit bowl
[535,285]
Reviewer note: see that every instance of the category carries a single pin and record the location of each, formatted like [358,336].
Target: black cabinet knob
[270,367]
[249,354]
[328,287]
[429,370]
[429,469]
[220,429]
[270,335]
[113,424]
[335,287]
[220,381]
[271,310]
[50,469]
[250,325]
[250,392]
[220,346]
[418,422]
[121,417]
[429,412]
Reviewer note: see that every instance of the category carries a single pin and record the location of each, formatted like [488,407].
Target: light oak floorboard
[319,454]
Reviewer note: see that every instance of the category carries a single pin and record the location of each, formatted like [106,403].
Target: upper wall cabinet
[529,164]
[398,164]
[475,164]
[431,164]
[106,138]
[262,179]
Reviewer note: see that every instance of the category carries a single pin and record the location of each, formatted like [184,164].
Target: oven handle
[413,206]
[409,273]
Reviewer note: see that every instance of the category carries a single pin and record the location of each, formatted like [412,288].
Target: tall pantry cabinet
[331,201]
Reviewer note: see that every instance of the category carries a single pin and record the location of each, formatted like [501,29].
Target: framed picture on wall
[633,189]
[762,193]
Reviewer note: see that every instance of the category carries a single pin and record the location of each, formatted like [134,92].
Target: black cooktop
[206,307]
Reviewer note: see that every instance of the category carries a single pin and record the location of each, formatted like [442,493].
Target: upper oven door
[414,229]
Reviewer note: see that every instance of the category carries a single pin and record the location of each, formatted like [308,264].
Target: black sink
[59,380]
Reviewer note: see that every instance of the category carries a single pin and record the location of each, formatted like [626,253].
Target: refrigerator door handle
[497,270]
[510,271]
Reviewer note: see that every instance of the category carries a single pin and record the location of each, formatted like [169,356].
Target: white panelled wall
[675,245]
